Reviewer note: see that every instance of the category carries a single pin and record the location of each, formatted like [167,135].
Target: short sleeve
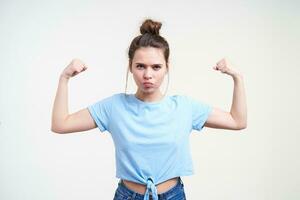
[100,112]
[200,112]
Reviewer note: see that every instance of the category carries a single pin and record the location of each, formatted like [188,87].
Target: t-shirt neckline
[149,103]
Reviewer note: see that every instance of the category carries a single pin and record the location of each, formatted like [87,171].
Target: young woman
[150,130]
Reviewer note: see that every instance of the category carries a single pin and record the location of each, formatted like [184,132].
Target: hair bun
[150,26]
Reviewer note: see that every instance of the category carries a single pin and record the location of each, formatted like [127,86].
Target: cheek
[137,78]
[161,77]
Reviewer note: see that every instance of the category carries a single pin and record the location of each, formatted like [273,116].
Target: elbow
[242,126]
[56,129]
[58,126]
[240,123]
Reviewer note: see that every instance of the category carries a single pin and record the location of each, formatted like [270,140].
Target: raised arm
[236,119]
[62,121]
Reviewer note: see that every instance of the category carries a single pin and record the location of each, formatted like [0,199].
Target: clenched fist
[75,67]
[225,66]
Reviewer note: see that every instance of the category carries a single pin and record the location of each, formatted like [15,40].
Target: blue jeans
[174,193]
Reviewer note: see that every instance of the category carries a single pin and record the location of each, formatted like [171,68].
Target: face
[148,69]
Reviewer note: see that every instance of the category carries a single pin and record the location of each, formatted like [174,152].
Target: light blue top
[151,139]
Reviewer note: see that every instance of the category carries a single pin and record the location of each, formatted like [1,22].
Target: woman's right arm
[62,121]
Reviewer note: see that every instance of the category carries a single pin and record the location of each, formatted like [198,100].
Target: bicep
[221,119]
[78,121]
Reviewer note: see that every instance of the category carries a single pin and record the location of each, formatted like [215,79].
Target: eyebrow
[144,64]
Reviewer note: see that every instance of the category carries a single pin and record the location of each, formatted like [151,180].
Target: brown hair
[149,38]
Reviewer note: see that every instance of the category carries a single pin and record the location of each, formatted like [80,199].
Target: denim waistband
[151,192]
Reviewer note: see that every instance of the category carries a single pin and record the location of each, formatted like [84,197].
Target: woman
[150,130]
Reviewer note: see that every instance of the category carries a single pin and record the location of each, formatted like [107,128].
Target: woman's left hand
[225,67]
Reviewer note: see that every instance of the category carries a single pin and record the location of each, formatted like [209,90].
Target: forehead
[149,55]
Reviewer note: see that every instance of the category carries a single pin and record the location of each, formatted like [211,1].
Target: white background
[39,39]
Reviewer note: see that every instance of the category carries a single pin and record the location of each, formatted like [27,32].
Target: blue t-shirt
[151,139]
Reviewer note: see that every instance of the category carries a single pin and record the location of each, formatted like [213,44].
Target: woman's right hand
[75,67]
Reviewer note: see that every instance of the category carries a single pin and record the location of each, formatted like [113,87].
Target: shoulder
[182,98]
[189,101]
[115,96]
[120,98]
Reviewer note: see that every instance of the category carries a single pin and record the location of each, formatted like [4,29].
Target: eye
[157,67]
[139,65]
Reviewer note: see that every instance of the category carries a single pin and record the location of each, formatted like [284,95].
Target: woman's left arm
[236,119]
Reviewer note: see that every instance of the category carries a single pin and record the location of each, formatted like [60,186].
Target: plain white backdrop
[39,39]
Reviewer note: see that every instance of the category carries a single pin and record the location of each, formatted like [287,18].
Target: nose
[147,73]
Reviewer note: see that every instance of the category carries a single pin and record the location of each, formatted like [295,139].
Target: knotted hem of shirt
[150,188]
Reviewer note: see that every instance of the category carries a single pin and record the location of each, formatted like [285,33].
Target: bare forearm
[60,107]
[239,106]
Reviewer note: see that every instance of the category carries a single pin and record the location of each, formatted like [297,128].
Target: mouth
[148,84]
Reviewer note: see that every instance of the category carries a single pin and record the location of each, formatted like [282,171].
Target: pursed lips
[147,84]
